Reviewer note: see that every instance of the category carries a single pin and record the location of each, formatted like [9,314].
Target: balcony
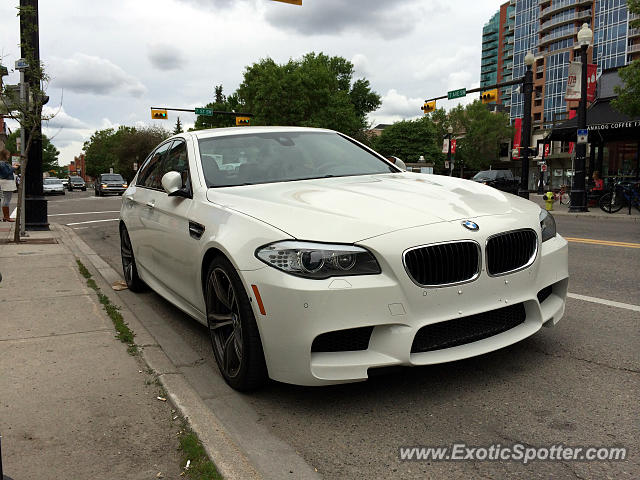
[558,6]
[540,69]
[634,32]
[557,36]
[633,48]
[585,14]
[634,16]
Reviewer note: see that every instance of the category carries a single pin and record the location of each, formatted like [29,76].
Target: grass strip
[200,467]
[124,333]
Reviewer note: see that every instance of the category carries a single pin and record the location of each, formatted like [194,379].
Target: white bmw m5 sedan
[312,259]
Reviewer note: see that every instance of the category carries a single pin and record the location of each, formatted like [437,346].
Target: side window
[176,160]
[151,175]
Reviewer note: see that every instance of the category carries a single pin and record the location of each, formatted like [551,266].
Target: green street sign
[204,111]
[461,92]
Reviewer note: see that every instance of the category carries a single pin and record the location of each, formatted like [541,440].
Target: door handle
[151,204]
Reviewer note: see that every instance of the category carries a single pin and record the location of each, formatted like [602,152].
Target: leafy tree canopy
[409,140]
[315,91]
[119,149]
[220,103]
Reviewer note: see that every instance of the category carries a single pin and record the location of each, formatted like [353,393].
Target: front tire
[610,202]
[129,268]
[233,331]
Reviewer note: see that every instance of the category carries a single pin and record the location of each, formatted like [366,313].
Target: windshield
[52,180]
[486,175]
[284,156]
[76,179]
[112,178]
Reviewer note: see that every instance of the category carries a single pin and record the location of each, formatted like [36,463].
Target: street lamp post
[527,89]
[450,131]
[578,191]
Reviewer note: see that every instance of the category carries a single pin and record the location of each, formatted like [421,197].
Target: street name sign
[461,92]
[204,111]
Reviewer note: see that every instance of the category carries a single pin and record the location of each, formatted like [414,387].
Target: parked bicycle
[562,195]
[621,194]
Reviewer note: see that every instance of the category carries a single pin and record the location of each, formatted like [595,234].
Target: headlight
[318,260]
[547,225]
[124,185]
[104,185]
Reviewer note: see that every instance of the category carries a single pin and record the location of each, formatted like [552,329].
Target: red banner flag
[572,114]
[517,137]
[592,71]
[453,146]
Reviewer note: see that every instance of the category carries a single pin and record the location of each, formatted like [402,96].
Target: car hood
[349,209]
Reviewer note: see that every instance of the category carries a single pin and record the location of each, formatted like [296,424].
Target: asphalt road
[576,384]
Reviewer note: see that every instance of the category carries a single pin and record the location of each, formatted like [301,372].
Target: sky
[110,62]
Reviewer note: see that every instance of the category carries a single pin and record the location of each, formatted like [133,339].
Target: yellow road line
[608,243]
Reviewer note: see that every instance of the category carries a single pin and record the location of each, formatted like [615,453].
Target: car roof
[220,132]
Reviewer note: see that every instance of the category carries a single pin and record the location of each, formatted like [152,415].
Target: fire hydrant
[548,201]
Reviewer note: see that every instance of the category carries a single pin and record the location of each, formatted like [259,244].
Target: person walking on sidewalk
[7,183]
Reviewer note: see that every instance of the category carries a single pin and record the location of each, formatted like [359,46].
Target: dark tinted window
[111,177]
[284,156]
[150,172]
[176,161]
[486,175]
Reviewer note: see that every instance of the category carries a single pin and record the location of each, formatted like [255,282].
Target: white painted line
[628,306]
[81,213]
[79,228]
[13,214]
[93,221]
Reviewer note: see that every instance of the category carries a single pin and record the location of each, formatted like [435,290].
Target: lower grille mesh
[460,331]
[351,339]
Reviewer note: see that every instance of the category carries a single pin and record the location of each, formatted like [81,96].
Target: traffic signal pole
[214,112]
[526,82]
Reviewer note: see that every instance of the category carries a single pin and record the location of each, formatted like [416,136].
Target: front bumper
[298,310]
[109,189]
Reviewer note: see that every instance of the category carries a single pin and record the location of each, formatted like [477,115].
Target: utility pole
[35,212]
[527,89]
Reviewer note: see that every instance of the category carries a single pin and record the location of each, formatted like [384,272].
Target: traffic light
[428,107]
[157,114]
[490,96]
[243,121]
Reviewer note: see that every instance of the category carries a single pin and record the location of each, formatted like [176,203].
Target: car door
[139,201]
[176,251]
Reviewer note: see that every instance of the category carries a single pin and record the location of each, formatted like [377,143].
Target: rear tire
[233,331]
[610,203]
[129,267]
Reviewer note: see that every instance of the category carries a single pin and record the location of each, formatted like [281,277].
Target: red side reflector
[259,299]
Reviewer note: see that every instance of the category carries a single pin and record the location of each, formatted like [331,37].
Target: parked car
[109,183]
[500,179]
[305,270]
[52,186]
[76,182]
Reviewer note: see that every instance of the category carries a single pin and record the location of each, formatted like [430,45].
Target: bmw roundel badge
[469,225]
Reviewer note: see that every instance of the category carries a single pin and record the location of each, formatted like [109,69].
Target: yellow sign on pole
[293,2]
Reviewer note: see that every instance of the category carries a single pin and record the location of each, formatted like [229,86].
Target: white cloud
[166,57]
[361,65]
[89,74]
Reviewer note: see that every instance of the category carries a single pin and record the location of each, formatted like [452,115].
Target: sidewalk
[73,403]
[593,213]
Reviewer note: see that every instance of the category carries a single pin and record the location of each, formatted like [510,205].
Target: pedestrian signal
[428,107]
[157,114]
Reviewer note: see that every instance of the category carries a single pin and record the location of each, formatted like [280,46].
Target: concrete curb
[229,459]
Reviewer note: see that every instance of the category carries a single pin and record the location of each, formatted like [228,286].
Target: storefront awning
[605,124]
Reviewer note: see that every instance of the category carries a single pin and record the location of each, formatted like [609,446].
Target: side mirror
[171,182]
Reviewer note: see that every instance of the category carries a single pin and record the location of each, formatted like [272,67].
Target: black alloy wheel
[134,283]
[232,328]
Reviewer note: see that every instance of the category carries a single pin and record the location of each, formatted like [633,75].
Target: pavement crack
[53,335]
[586,360]
[199,361]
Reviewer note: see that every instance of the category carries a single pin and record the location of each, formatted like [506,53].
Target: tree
[410,139]
[27,114]
[628,100]
[315,91]
[178,128]
[220,104]
[120,149]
